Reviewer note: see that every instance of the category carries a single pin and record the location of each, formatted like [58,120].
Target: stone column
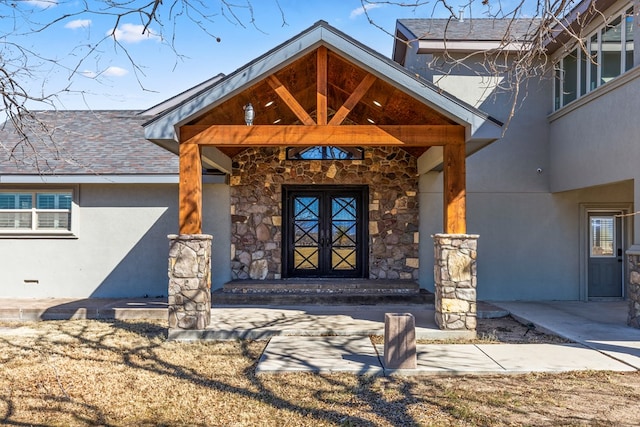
[189,281]
[455,281]
[633,273]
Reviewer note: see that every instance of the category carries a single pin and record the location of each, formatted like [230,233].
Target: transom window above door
[324,153]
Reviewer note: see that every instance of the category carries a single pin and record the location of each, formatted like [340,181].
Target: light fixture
[377,104]
[371,121]
[277,121]
[269,104]
[249,114]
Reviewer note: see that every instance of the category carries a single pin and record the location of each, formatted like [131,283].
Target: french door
[324,231]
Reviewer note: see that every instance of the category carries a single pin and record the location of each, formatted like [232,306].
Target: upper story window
[608,53]
[35,212]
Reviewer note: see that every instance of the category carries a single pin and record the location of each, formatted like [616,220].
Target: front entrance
[605,253]
[324,231]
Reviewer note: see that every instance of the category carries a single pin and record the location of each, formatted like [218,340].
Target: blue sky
[162,72]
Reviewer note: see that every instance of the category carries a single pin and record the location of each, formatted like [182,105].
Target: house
[288,193]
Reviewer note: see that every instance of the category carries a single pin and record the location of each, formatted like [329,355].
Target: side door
[605,255]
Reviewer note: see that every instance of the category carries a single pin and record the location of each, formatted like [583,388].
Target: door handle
[619,251]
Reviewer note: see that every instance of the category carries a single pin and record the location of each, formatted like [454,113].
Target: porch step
[320,291]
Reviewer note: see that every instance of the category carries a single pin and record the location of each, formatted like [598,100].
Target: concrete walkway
[600,326]
[335,338]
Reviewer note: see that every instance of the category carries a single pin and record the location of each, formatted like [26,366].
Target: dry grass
[126,373]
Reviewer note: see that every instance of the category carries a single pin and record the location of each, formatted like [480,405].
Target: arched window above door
[324,153]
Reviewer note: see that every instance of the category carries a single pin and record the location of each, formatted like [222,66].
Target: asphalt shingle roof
[476,29]
[85,142]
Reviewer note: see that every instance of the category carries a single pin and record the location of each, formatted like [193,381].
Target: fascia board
[103,179]
[181,97]
[437,46]
[400,46]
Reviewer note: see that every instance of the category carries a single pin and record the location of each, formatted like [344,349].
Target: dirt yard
[126,373]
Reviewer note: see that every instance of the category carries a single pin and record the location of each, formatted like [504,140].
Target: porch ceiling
[376,101]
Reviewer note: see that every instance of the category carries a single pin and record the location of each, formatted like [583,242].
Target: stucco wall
[589,147]
[529,246]
[595,141]
[121,249]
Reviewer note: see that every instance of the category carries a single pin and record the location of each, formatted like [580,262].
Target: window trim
[72,232]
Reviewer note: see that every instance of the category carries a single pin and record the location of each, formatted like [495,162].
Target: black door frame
[361,192]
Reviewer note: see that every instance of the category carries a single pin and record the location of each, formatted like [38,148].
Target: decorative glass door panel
[324,232]
[344,236]
[306,227]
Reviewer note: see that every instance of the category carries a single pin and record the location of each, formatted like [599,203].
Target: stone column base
[633,274]
[189,281]
[455,281]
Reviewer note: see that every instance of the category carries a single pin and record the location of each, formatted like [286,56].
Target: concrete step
[330,286]
[320,291]
[218,297]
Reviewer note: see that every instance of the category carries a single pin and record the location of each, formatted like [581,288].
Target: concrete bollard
[399,341]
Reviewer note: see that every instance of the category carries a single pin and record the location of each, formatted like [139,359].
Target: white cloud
[115,72]
[108,72]
[43,4]
[78,23]
[361,10]
[131,33]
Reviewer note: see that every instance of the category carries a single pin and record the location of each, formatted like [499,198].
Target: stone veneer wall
[634,289]
[256,208]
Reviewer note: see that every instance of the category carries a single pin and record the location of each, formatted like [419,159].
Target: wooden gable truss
[322,99]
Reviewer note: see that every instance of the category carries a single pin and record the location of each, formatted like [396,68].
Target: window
[628,38]
[602,236]
[607,54]
[611,50]
[324,153]
[38,212]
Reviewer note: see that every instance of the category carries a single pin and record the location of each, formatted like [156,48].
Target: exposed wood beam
[455,193]
[356,135]
[290,100]
[321,107]
[353,99]
[190,190]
